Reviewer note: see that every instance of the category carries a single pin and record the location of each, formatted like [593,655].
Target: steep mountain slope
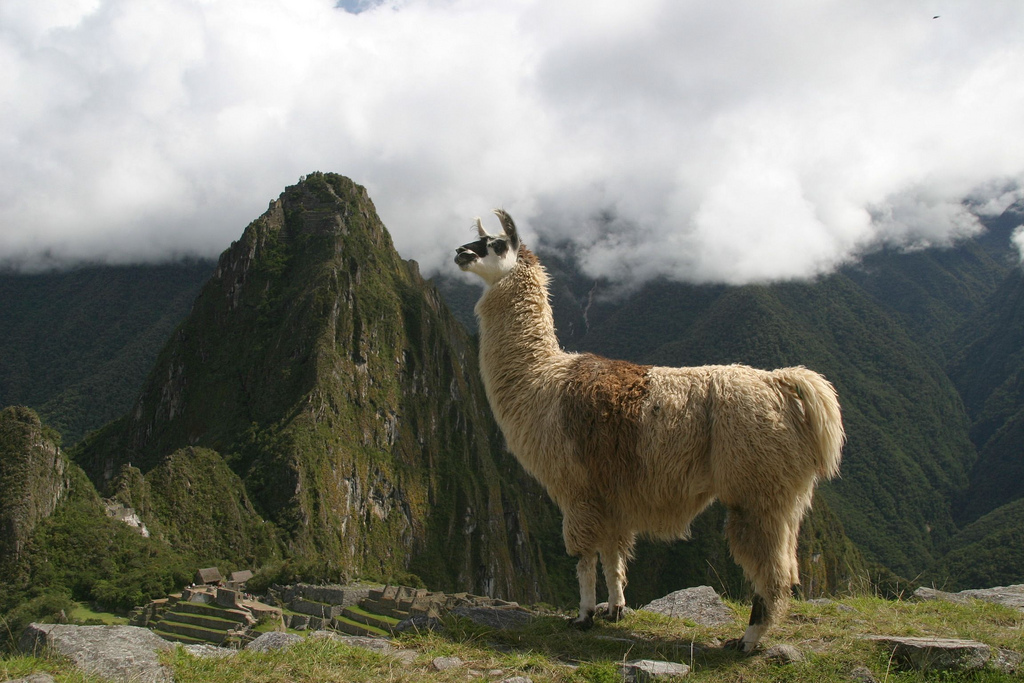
[987,552]
[33,480]
[77,344]
[989,372]
[332,380]
[57,542]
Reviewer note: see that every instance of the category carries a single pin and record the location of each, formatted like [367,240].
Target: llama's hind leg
[761,545]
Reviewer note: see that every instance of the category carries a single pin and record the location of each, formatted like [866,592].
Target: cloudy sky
[703,140]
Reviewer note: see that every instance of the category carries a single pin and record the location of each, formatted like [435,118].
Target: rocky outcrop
[33,478]
[1008,596]
[947,654]
[119,653]
[330,377]
[700,604]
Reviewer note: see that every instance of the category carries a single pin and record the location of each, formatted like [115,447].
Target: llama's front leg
[586,571]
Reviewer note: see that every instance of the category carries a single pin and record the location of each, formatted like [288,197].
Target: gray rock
[1009,596]
[642,670]
[274,640]
[516,679]
[33,678]
[366,643]
[406,657]
[700,604]
[445,663]
[929,594]
[783,654]
[119,653]
[1007,661]
[862,674]
[936,654]
[494,617]
[207,651]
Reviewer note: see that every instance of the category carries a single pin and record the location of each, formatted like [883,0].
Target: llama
[626,449]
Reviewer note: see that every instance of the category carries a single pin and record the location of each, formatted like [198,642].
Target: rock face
[1008,596]
[700,604]
[333,381]
[33,478]
[118,653]
[936,654]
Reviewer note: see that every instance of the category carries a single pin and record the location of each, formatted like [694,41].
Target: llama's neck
[517,330]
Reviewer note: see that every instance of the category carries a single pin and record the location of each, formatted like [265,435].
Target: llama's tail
[822,416]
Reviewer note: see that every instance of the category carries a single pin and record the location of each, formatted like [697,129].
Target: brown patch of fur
[601,411]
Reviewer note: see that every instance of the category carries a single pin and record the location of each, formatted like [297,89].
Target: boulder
[118,653]
[1008,596]
[783,654]
[642,670]
[445,663]
[274,640]
[700,604]
[34,678]
[936,654]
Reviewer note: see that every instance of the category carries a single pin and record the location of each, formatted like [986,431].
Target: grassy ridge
[828,635]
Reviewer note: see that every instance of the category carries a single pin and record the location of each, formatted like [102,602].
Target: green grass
[83,613]
[829,636]
[384,619]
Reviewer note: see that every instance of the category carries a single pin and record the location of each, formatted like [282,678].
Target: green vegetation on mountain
[58,543]
[334,383]
[987,552]
[989,372]
[77,344]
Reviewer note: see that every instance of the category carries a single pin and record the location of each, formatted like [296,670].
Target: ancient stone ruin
[369,611]
[207,614]
[218,615]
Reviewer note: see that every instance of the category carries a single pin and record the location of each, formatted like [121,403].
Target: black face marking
[468,253]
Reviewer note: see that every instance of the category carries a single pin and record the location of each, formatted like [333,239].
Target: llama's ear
[480,228]
[509,226]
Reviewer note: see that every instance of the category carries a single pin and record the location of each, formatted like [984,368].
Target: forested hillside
[75,345]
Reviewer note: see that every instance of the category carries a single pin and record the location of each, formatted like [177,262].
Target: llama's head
[492,256]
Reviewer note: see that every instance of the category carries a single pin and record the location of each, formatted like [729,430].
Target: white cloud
[1018,241]
[712,142]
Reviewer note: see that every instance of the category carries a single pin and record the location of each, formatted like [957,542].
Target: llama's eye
[499,247]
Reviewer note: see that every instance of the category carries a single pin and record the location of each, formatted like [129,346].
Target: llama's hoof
[738,645]
[616,613]
[582,623]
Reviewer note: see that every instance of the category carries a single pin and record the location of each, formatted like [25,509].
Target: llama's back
[733,429]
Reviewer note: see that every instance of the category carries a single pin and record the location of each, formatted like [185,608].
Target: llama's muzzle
[464,256]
